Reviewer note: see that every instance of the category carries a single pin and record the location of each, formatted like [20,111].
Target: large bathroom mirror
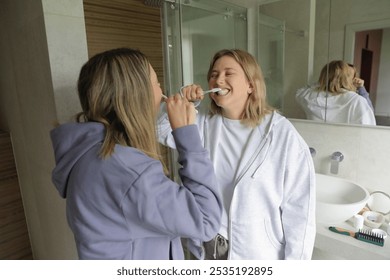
[292,39]
[316,32]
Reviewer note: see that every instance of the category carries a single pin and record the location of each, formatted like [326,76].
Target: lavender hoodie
[124,207]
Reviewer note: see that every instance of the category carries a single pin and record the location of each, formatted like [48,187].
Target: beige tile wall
[366,152]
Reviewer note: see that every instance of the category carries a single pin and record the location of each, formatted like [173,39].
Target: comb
[363,235]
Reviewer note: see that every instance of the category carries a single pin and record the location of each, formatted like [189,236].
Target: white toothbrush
[218,91]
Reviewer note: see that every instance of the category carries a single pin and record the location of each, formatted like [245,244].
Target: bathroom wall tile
[366,151]
[72,8]
[375,157]
[66,38]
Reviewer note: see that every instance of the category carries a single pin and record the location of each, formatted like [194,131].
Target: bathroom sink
[338,199]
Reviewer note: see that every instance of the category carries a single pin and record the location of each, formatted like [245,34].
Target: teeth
[223,92]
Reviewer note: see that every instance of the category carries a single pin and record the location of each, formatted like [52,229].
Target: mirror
[297,36]
[324,30]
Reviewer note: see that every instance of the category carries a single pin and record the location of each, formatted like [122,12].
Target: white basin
[338,199]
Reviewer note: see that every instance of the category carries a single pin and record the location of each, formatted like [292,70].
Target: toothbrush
[218,91]
[363,235]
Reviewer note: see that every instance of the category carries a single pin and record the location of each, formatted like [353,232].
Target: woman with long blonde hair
[119,202]
[334,99]
[263,166]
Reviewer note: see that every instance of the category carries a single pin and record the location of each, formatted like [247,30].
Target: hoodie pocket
[274,231]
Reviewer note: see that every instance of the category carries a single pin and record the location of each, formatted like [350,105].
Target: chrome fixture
[334,162]
[313,152]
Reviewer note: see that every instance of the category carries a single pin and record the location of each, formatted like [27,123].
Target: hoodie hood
[70,142]
[313,102]
[320,105]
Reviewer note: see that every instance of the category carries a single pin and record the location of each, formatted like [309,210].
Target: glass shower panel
[172,47]
[194,31]
[271,57]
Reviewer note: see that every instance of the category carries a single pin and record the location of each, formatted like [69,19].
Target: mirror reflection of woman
[334,99]
[359,84]
[263,166]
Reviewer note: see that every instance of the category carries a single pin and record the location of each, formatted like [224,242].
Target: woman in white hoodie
[334,99]
[263,166]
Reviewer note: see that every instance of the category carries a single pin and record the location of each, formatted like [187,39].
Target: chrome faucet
[313,151]
[334,162]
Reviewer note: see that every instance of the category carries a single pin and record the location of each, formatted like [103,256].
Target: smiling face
[228,74]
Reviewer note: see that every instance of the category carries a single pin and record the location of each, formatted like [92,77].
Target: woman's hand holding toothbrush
[192,92]
[181,112]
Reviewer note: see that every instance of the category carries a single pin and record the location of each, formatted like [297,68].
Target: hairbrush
[363,235]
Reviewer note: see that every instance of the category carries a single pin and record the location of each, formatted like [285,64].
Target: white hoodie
[272,213]
[348,107]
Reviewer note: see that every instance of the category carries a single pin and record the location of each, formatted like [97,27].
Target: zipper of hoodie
[230,239]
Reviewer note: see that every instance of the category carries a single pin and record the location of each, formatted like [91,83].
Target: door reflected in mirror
[366,45]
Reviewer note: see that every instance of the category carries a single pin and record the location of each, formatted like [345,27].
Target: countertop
[346,247]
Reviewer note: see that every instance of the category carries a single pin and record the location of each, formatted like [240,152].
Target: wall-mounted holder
[377,202]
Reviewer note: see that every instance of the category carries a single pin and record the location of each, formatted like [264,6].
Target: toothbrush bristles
[222,92]
[218,91]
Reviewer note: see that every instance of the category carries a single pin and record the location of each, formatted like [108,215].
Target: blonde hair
[114,89]
[256,107]
[336,77]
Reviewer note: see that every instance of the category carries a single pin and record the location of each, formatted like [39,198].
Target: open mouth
[223,92]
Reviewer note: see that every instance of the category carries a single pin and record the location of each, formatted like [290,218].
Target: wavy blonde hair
[114,89]
[336,77]
[256,107]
